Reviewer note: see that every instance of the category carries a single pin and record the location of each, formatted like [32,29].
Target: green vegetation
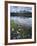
[13,24]
[19,32]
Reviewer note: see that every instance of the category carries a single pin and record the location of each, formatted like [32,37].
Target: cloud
[16,9]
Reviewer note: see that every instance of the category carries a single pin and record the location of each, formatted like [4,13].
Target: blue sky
[18,9]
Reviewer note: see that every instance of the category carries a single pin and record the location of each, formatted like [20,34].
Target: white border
[20,40]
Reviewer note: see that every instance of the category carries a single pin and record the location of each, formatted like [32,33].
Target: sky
[18,9]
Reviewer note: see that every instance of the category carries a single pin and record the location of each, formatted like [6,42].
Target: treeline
[22,14]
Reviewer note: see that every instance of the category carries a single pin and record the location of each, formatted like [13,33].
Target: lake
[27,21]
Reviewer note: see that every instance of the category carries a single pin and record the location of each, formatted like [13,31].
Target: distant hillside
[28,14]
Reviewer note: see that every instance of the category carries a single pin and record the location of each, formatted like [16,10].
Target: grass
[19,32]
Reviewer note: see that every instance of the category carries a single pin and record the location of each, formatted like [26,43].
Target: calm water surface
[22,20]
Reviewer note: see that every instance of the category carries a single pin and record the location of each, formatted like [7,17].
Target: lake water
[27,21]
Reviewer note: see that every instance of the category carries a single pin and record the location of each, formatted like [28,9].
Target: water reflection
[22,20]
